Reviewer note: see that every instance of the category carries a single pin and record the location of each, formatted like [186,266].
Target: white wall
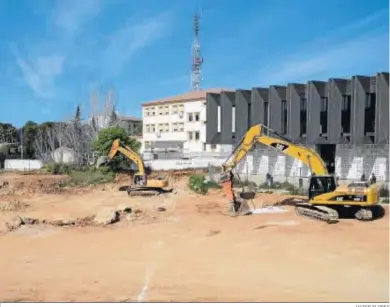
[354,160]
[183,164]
[22,164]
[189,146]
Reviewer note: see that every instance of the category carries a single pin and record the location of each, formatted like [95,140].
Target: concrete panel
[382,108]
[227,103]
[276,95]
[258,98]
[243,105]
[360,86]
[212,103]
[294,94]
[335,100]
[313,112]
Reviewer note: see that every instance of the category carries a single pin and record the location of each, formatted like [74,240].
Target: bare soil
[191,251]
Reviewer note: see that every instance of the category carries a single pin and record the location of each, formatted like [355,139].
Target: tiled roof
[190,96]
[130,118]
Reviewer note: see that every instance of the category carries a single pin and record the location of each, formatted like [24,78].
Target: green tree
[77,116]
[113,117]
[104,142]
[29,130]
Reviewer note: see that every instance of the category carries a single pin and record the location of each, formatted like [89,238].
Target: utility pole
[21,141]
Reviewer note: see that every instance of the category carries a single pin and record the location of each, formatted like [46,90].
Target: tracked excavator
[141,185]
[324,195]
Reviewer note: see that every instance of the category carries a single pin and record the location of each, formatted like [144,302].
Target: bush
[197,184]
[79,178]
[212,185]
[57,168]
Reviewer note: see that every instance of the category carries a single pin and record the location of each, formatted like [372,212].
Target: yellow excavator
[324,195]
[141,184]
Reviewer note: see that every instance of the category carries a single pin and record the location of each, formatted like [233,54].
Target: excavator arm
[128,153]
[268,137]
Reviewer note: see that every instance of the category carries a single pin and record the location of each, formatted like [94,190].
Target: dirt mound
[27,184]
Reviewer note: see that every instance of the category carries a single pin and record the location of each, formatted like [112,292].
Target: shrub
[212,185]
[57,168]
[197,184]
[79,178]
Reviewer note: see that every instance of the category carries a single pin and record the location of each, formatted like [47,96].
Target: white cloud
[130,40]
[40,74]
[71,15]
[365,51]
[68,16]
[50,66]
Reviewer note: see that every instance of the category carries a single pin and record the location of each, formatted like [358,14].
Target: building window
[152,111]
[346,105]
[197,135]
[213,146]
[266,113]
[324,104]
[324,115]
[174,127]
[190,117]
[303,116]
[197,117]
[166,127]
[369,117]
[166,112]
[219,119]
[147,128]
[146,112]
[346,114]
[181,127]
[303,104]
[284,116]
[189,135]
[153,128]
[174,109]
[160,111]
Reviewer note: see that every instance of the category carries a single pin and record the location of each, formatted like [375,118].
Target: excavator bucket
[247,195]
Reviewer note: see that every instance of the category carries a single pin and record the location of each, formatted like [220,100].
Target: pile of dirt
[37,184]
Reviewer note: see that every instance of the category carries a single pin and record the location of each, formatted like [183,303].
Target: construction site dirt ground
[182,247]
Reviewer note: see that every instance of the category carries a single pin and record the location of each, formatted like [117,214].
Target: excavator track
[364,214]
[145,191]
[321,213]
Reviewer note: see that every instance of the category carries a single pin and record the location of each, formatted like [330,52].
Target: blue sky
[53,54]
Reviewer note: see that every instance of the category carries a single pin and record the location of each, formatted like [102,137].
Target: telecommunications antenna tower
[197,59]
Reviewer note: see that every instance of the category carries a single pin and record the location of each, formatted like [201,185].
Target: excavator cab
[321,184]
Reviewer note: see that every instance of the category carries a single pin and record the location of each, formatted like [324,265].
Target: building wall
[179,121]
[357,151]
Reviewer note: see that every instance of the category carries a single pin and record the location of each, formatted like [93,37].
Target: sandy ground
[190,252]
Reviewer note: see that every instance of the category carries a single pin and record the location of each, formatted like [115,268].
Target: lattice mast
[197,59]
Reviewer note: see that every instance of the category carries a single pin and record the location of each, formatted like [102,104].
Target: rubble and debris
[9,222]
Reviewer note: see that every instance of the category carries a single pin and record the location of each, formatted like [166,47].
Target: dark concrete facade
[243,112]
[340,111]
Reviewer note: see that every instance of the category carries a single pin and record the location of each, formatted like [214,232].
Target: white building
[178,124]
